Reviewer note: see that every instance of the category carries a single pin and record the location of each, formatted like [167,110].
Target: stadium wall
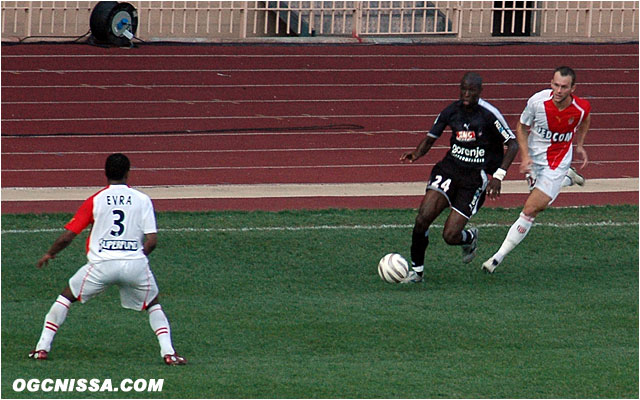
[250,21]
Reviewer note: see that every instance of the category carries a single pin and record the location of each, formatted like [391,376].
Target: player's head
[566,71]
[563,84]
[117,167]
[470,89]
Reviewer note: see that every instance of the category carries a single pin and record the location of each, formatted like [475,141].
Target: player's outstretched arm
[421,150]
[495,185]
[581,132]
[60,244]
[510,154]
[522,135]
[150,242]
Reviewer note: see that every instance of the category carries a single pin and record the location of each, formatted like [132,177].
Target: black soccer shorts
[464,188]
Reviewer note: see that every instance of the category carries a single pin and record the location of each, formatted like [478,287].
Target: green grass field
[289,305]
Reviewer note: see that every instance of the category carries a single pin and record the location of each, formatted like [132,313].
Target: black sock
[419,243]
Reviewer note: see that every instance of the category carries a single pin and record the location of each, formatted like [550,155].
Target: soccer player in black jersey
[460,180]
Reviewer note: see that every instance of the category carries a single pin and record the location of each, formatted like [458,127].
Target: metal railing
[241,20]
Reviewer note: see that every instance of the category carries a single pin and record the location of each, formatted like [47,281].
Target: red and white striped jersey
[120,216]
[552,130]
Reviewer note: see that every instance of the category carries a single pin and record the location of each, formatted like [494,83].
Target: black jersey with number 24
[478,135]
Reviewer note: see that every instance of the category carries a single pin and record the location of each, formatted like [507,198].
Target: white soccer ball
[393,268]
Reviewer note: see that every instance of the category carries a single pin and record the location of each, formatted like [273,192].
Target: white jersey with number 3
[120,216]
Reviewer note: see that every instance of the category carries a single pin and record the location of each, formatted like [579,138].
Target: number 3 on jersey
[437,182]
[117,221]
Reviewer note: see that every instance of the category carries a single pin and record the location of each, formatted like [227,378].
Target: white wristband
[499,174]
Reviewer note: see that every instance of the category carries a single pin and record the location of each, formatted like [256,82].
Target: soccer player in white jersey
[550,122]
[123,234]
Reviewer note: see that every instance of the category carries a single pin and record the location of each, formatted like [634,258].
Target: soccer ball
[393,268]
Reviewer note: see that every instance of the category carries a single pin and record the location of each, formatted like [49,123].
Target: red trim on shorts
[84,280]
[146,297]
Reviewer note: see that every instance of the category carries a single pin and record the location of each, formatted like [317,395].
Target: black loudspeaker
[113,23]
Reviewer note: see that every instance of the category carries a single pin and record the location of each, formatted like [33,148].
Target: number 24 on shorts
[437,182]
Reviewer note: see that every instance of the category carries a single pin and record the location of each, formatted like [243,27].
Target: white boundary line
[338,227]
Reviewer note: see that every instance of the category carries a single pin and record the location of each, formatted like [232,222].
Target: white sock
[52,321]
[160,325]
[418,268]
[517,232]
[566,181]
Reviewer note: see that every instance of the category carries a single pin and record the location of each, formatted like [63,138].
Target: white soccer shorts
[546,180]
[134,278]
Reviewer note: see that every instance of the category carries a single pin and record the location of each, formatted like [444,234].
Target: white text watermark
[87,385]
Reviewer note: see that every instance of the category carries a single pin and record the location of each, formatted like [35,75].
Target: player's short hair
[473,78]
[567,71]
[116,166]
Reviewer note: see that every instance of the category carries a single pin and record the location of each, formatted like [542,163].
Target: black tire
[101,22]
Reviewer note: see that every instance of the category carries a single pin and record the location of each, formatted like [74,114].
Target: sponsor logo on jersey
[554,136]
[501,130]
[123,245]
[474,155]
[466,136]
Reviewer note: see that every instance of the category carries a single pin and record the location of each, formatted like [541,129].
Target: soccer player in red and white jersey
[550,122]
[123,234]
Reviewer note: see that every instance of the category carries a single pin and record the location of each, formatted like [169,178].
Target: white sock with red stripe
[160,325]
[516,234]
[52,321]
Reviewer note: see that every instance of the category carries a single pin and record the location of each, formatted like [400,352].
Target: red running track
[213,114]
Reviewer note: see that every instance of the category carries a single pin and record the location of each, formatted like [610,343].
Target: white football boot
[490,265]
[575,177]
[412,277]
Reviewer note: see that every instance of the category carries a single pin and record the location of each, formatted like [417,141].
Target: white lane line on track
[276,101]
[239,150]
[293,150]
[247,229]
[276,85]
[257,191]
[312,56]
[278,117]
[281,70]
[351,132]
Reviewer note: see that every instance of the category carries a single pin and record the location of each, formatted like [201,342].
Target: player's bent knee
[152,303]
[67,294]
[532,211]
[451,237]
[422,222]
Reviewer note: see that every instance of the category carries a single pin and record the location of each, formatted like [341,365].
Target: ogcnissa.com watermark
[87,385]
